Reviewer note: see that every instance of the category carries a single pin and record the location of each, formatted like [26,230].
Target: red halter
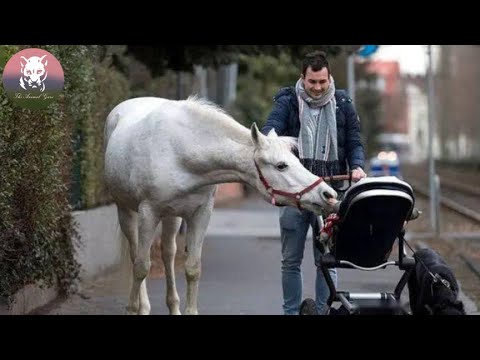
[297,196]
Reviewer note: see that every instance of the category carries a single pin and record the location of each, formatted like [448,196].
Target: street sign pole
[365,51]
[433,179]
[351,76]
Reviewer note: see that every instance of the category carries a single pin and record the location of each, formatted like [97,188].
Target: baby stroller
[361,236]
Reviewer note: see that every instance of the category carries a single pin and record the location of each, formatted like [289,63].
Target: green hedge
[260,78]
[36,229]
[111,88]
[49,158]
[102,88]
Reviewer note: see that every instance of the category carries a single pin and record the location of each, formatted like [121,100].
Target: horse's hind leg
[196,229]
[170,227]
[128,223]
[147,223]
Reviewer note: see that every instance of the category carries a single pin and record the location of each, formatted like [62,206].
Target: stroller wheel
[308,307]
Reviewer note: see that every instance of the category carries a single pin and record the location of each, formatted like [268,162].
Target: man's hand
[358,174]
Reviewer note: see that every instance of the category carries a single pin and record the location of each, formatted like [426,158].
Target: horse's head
[285,178]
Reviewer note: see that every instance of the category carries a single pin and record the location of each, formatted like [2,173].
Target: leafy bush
[258,81]
[110,89]
[39,151]
[36,229]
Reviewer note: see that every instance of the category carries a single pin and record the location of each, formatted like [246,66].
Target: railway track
[459,192]
[454,194]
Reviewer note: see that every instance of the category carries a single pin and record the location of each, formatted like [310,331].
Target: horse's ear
[257,137]
[272,133]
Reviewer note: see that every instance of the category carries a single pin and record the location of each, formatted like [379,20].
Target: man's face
[316,83]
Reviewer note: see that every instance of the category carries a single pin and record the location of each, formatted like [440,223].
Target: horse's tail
[125,268]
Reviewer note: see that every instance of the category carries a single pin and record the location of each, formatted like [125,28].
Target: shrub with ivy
[39,152]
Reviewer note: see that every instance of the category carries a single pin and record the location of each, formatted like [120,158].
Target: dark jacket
[285,120]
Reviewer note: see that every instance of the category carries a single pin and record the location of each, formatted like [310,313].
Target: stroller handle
[337,178]
[333,178]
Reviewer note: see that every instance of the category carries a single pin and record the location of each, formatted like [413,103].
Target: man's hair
[317,60]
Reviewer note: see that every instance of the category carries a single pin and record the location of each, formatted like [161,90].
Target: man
[328,130]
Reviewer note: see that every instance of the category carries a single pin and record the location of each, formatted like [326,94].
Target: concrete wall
[100,247]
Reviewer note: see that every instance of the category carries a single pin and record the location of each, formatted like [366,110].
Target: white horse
[163,159]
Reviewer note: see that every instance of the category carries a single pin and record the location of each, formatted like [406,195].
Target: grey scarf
[317,141]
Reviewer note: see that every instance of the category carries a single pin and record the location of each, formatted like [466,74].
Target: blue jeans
[294,226]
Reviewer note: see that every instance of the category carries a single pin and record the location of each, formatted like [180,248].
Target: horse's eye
[281,166]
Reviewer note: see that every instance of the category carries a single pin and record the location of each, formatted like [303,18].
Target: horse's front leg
[196,229]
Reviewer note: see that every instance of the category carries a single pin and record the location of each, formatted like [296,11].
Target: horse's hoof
[144,310]
[174,310]
[131,311]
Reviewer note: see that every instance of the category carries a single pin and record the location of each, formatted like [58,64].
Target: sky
[412,58]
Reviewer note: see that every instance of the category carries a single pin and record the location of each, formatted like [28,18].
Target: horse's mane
[290,142]
[209,110]
[205,104]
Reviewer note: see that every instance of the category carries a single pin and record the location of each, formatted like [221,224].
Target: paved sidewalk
[240,271]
